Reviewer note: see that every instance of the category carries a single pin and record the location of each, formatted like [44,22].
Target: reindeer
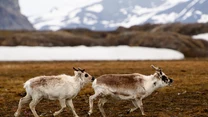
[134,87]
[61,87]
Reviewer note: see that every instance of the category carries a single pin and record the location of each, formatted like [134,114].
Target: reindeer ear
[160,71]
[75,69]
[157,69]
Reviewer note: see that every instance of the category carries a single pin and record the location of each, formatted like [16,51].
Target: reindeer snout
[93,78]
[171,81]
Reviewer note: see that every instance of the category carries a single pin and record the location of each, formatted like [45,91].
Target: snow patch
[164,18]
[95,8]
[203,36]
[188,14]
[75,20]
[192,3]
[34,8]
[74,13]
[123,11]
[176,1]
[89,21]
[203,19]
[198,12]
[23,53]
[202,1]
[140,10]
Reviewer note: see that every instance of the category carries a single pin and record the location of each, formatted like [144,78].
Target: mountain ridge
[109,15]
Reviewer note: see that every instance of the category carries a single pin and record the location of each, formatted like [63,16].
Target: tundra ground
[188,95]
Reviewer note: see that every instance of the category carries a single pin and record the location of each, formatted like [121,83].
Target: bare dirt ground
[187,97]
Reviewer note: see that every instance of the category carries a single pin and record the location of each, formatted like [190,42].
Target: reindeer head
[84,76]
[165,80]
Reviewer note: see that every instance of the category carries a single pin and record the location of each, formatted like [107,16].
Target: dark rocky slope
[174,36]
[11,17]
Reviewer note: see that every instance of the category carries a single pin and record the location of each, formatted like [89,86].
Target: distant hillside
[172,36]
[11,18]
[110,14]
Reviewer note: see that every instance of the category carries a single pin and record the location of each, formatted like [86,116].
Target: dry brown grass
[187,97]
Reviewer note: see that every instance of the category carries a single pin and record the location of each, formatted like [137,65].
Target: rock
[11,17]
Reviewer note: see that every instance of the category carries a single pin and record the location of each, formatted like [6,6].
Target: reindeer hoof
[144,114]
[55,114]
[16,114]
[89,113]
[129,111]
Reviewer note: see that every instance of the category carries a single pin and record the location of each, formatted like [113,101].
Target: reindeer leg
[63,105]
[140,105]
[33,104]
[101,103]
[22,101]
[70,104]
[91,98]
[135,106]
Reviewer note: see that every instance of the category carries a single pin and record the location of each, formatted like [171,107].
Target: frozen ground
[23,53]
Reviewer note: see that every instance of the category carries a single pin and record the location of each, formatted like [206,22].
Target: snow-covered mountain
[110,14]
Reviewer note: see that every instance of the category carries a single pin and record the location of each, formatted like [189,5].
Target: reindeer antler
[82,70]
[75,69]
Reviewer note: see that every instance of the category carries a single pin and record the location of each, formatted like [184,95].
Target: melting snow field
[203,36]
[24,53]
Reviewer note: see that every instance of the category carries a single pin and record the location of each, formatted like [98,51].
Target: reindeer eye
[164,78]
[86,75]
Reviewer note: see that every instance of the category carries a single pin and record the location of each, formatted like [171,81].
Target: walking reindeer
[134,87]
[62,87]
